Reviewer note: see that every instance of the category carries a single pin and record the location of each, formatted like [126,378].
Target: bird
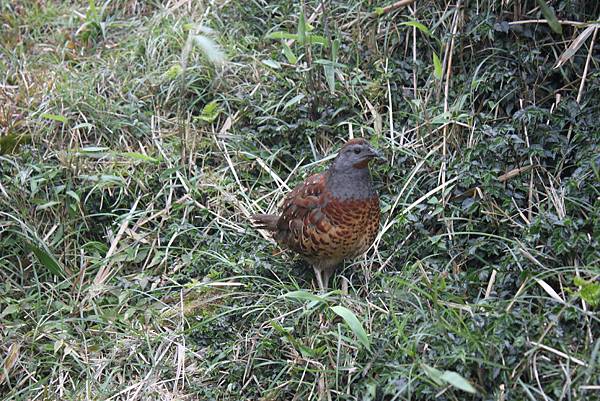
[331,216]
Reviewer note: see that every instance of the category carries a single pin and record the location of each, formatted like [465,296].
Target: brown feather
[325,228]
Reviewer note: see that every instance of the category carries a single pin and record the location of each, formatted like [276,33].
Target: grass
[135,143]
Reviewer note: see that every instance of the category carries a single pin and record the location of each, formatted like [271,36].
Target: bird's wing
[303,224]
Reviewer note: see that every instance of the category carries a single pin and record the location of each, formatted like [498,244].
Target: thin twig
[394,6]
[587,65]
[545,21]
[449,224]
[559,353]
[378,13]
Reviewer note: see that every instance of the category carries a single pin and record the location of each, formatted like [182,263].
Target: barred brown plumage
[331,216]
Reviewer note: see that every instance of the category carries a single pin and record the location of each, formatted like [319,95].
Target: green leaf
[210,112]
[289,55]
[335,47]
[73,195]
[306,352]
[294,100]
[442,118]
[418,25]
[379,11]
[550,16]
[55,117]
[47,259]
[47,205]
[9,310]
[318,39]
[282,35]
[173,72]
[590,291]
[354,324]
[139,156]
[302,28]
[434,374]
[279,328]
[92,11]
[330,63]
[329,72]
[304,296]
[329,69]
[111,179]
[272,63]
[307,38]
[448,377]
[437,66]
[458,381]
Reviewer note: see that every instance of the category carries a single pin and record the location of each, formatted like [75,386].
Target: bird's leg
[326,275]
[318,275]
[345,285]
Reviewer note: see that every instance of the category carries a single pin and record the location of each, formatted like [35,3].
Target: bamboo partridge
[331,216]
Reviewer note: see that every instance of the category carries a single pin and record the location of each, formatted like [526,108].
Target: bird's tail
[265,221]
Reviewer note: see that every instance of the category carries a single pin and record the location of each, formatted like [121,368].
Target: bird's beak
[377,155]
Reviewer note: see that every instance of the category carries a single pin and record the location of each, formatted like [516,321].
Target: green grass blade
[437,66]
[304,296]
[550,16]
[458,381]
[354,324]
[47,260]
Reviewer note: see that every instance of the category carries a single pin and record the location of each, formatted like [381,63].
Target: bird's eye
[357,150]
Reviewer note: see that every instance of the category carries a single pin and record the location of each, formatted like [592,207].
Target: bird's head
[356,154]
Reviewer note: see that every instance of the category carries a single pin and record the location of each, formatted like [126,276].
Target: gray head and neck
[349,175]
